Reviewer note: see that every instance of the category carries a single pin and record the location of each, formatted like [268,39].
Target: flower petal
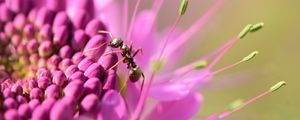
[113,107]
[182,109]
[109,12]
[168,91]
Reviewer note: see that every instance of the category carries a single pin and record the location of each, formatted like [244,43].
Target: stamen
[156,66]
[144,93]
[218,58]
[235,104]
[247,58]
[183,7]
[250,56]
[181,11]
[195,27]
[244,32]
[272,89]
[201,65]
[128,37]
[277,86]
[188,68]
[125,16]
[257,26]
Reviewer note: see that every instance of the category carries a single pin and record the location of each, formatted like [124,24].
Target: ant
[135,72]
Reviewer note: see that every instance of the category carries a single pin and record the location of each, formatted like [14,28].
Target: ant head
[116,42]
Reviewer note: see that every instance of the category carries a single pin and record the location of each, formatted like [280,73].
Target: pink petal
[182,109]
[113,107]
[168,91]
[145,37]
[109,12]
[178,87]
[132,95]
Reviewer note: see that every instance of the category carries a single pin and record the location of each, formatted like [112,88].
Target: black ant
[135,72]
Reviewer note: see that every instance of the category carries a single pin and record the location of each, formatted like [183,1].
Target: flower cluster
[47,68]
[57,62]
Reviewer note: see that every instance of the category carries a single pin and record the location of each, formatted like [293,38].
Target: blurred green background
[279,46]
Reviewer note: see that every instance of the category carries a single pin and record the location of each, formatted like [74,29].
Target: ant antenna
[106,32]
[115,65]
[95,48]
[143,81]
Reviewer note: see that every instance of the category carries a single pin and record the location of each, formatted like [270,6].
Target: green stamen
[277,86]
[200,65]
[156,66]
[257,26]
[235,104]
[244,32]
[183,7]
[250,56]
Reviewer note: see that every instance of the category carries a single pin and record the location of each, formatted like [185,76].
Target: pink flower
[59,61]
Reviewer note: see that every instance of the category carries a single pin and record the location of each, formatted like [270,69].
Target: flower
[57,61]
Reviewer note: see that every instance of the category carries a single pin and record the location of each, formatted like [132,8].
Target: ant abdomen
[135,74]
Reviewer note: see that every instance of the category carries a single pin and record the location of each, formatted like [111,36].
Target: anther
[200,65]
[157,65]
[183,7]
[244,32]
[257,26]
[250,56]
[277,86]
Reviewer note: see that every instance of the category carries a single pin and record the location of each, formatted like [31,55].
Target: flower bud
[79,40]
[10,103]
[92,85]
[45,49]
[95,47]
[94,70]
[24,111]
[66,52]
[70,70]
[77,57]
[59,78]
[44,82]
[85,63]
[12,114]
[36,93]
[52,91]
[43,16]
[74,89]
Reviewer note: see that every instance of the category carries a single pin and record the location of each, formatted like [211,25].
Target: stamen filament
[125,16]
[128,37]
[190,67]
[247,58]
[195,27]
[144,93]
[225,114]
[170,33]
[272,89]
[226,68]
[218,58]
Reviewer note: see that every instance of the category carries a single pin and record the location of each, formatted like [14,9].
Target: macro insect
[135,72]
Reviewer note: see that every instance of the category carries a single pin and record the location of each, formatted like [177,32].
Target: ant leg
[115,65]
[111,52]
[95,48]
[106,32]
[137,51]
[143,81]
[130,49]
